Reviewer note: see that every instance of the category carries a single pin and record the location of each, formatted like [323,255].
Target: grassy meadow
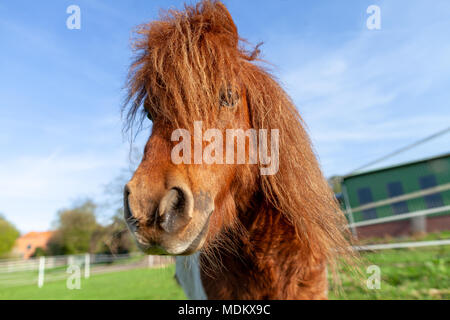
[135,284]
[420,273]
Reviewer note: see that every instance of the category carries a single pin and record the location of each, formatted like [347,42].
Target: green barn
[401,199]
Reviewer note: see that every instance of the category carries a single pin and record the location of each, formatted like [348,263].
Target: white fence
[404,216]
[403,245]
[417,212]
[38,271]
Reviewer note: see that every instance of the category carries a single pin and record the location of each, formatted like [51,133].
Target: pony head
[202,90]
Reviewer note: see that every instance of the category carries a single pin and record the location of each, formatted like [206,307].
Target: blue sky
[362,93]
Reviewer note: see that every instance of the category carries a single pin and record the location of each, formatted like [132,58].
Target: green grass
[136,284]
[421,273]
[442,235]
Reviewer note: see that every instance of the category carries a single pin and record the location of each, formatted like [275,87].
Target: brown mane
[182,62]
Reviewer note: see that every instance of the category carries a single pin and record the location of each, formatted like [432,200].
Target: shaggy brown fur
[273,235]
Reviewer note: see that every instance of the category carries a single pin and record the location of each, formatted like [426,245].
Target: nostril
[174,200]
[175,210]
[180,204]
[128,214]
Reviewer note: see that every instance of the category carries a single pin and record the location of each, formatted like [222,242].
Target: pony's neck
[267,263]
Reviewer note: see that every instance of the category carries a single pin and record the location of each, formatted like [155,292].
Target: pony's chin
[176,247]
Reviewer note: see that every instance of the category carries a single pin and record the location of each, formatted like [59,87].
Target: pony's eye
[148,115]
[146,108]
[228,98]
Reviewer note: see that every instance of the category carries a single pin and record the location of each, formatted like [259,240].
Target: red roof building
[27,244]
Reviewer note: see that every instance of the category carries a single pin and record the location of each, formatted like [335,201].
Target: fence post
[70,260]
[51,262]
[419,224]
[41,272]
[150,261]
[87,266]
[349,211]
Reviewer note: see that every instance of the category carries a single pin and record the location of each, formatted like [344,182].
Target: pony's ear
[220,21]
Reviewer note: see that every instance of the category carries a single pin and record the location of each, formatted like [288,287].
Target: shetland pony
[239,233]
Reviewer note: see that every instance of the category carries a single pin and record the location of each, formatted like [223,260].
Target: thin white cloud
[33,188]
[371,92]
